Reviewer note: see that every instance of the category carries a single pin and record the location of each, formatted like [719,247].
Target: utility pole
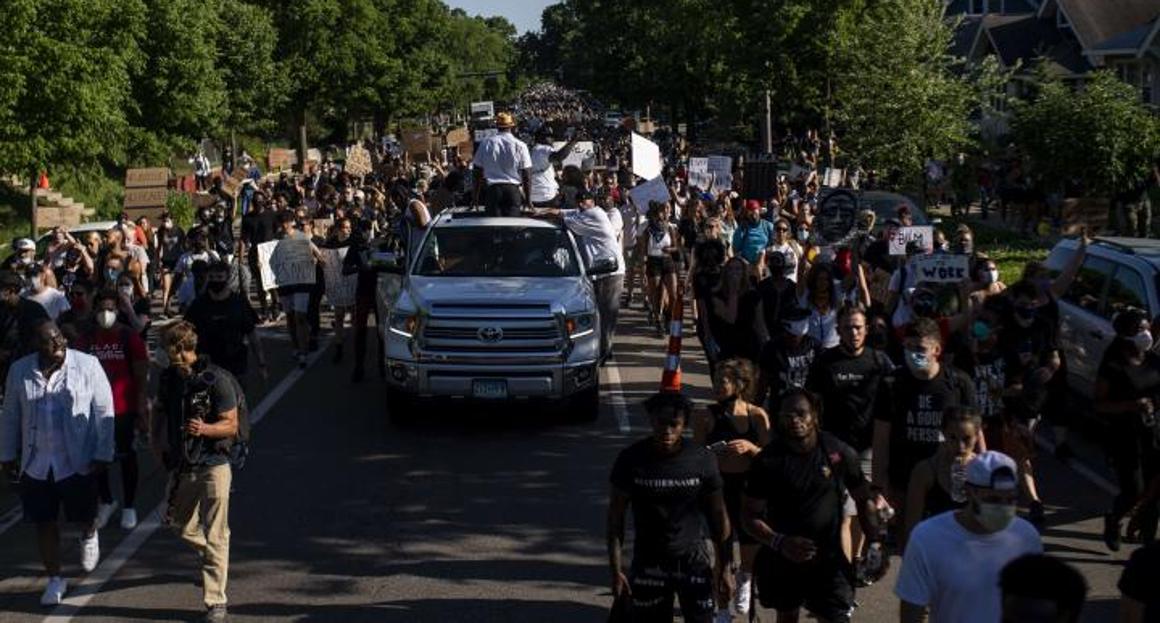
[33,178]
[767,130]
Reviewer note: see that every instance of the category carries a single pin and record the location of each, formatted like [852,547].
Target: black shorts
[124,429]
[825,587]
[43,499]
[169,265]
[733,491]
[655,583]
[660,266]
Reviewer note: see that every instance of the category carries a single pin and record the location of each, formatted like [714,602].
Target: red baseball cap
[753,205]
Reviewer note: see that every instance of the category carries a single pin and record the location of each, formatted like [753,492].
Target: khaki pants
[200,506]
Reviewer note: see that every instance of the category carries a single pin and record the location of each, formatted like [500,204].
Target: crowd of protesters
[857,407]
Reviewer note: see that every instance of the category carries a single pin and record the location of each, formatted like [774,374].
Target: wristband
[775,541]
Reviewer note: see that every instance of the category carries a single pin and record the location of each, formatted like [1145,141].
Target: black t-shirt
[1028,348]
[785,367]
[803,492]
[177,397]
[776,298]
[259,227]
[916,417]
[668,496]
[223,326]
[1138,581]
[988,371]
[710,255]
[853,389]
[1128,382]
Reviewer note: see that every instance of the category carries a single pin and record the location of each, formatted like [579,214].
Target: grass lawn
[1010,250]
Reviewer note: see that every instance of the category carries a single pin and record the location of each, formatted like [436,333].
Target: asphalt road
[473,514]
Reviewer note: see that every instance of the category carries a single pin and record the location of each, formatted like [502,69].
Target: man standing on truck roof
[505,163]
[598,241]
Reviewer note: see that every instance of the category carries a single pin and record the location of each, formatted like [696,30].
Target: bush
[180,207]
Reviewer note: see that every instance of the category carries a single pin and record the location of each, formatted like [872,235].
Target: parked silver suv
[1116,273]
[493,309]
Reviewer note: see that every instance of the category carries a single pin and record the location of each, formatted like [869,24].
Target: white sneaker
[128,519]
[104,512]
[741,596]
[90,552]
[54,592]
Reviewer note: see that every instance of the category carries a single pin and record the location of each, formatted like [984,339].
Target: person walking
[125,359]
[675,491]
[504,163]
[58,419]
[952,560]
[194,426]
[228,324]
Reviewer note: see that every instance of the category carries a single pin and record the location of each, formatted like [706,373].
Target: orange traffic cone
[671,378]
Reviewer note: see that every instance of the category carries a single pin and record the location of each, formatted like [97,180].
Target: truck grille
[479,334]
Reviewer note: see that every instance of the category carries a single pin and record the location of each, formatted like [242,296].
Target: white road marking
[619,406]
[83,591]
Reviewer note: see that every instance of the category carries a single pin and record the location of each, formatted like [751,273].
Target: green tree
[255,82]
[1099,133]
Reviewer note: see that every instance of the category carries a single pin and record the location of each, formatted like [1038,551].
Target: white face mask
[1143,341]
[106,318]
[798,328]
[995,517]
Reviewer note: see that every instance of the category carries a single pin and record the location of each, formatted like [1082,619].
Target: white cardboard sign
[722,169]
[340,288]
[581,152]
[922,233]
[941,267]
[646,157]
[286,263]
[652,190]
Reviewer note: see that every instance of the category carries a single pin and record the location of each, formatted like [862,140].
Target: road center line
[81,593]
[619,407]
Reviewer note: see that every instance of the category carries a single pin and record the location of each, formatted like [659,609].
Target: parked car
[1117,273]
[492,309]
[84,228]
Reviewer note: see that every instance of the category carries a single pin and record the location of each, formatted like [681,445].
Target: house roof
[1097,21]
[1030,40]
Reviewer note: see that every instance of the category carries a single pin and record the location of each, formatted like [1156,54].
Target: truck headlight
[404,324]
[580,325]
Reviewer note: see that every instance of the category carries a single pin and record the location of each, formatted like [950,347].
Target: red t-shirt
[118,349]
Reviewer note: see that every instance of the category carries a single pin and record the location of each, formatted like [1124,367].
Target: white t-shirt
[52,300]
[502,157]
[596,237]
[544,185]
[955,572]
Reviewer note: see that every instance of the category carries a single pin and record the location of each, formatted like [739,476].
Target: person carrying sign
[505,164]
[295,297]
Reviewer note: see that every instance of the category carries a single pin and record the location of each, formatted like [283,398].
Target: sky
[525,14]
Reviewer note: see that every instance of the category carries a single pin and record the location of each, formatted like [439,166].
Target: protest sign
[646,157]
[698,173]
[457,136]
[484,134]
[760,180]
[279,158]
[48,218]
[145,197]
[313,155]
[340,288]
[358,161]
[147,178]
[722,169]
[286,262]
[417,141]
[837,218]
[941,267]
[833,177]
[652,190]
[581,151]
[482,111]
[924,234]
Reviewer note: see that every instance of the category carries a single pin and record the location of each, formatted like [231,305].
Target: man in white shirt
[505,164]
[58,419]
[598,241]
[953,560]
[545,188]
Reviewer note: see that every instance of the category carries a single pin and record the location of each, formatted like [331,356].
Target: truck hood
[567,293]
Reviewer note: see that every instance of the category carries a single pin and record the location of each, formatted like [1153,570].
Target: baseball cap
[24,244]
[992,470]
[752,205]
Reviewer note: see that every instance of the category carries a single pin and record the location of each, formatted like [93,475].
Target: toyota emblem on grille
[490,335]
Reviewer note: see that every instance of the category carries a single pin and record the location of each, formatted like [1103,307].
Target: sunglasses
[781,229]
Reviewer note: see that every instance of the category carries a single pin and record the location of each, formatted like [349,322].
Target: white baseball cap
[993,470]
[24,244]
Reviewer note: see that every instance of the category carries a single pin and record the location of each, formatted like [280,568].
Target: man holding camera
[194,427]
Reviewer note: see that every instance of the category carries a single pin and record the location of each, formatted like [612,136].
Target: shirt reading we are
[669,497]
[916,418]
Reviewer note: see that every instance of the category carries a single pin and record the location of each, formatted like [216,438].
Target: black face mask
[217,287]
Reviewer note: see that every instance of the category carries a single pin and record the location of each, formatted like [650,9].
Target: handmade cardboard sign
[417,141]
[340,288]
[941,267]
[924,234]
[646,157]
[286,262]
[147,178]
[652,190]
[358,161]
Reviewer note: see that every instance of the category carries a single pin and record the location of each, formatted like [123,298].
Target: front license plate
[489,390]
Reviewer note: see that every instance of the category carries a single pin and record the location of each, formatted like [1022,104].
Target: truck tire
[584,406]
[400,407]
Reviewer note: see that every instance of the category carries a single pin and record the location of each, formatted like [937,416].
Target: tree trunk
[33,178]
[302,147]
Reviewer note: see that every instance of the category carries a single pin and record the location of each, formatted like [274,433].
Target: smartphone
[717,447]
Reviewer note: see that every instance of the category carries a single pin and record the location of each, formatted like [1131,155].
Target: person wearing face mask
[198,251]
[985,275]
[124,357]
[676,493]
[937,484]
[730,327]
[793,506]
[170,245]
[194,424]
[227,323]
[736,430]
[42,289]
[1127,388]
[911,430]
[953,559]
[785,361]
[133,309]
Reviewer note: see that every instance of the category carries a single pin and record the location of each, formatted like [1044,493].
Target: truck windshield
[497,252]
